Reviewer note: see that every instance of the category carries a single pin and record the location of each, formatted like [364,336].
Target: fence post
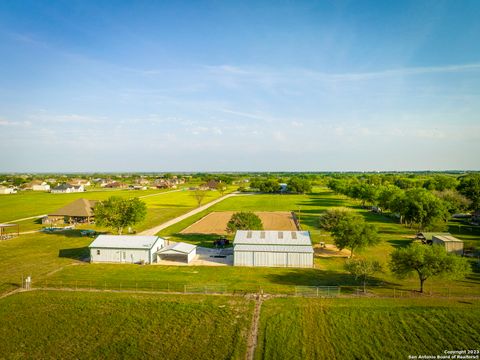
[184,289]
[317,291]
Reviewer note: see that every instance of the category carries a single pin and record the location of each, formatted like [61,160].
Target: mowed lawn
[85,325]
[366,329]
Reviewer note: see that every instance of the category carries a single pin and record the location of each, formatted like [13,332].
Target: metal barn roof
[177,248]
[124,242]
[271,237]
[447,238]
[275,248]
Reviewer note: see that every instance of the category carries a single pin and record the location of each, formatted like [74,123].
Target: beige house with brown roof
[79,211]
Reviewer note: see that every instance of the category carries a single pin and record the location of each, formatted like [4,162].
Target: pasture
[86,325]
[216,222]
[366,329]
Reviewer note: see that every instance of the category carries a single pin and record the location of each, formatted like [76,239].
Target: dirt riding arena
[216,222]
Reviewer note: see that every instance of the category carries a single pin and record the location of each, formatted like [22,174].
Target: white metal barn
[125,249]
[273,248]
[177,252]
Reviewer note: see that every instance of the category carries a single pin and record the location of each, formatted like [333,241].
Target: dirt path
[171,222]
[253,335]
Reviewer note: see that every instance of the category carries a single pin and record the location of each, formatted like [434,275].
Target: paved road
[156,229]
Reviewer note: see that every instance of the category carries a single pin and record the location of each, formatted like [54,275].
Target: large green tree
[118,213]
[244,220]
[299,185]
[331,217]
[422,208]
[427,261]
[470,187]
[352,233]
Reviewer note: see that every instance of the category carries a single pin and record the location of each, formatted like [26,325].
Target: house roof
[272,237]
[430,235]
[447,238]
[80,207]
[124,242]
[177,248]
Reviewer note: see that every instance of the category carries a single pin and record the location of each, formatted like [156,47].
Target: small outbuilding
[273,249]
[451,243]
[180,251]
[8,231]
[130,249]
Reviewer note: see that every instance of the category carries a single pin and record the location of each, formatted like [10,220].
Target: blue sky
[238,86]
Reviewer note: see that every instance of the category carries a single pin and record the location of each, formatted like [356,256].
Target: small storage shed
[451,244]
[177,252]
[125,249]
[273,249]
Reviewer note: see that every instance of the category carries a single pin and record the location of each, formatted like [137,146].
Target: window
[98,252]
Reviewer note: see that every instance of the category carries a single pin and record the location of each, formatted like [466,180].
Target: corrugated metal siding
[271,259]
[274,248]
[128,256]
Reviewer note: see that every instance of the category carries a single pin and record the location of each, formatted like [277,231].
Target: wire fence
[246,289]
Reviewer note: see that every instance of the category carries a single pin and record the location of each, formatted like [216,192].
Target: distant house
[67,188]
[273,249]
[78,211]
[43,186]
[7,190]
[114,185]
[210,185]
[125,249]
[451,244]
[78,182]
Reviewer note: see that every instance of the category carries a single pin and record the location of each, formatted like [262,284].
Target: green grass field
[74,325]
[366,329]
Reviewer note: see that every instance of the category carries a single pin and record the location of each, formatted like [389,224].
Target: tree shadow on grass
[315,277]
[400,243]
[81,253]
[204,240]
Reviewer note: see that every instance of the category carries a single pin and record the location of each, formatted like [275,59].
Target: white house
[128,249]
[273,248]
[41,187]
[7,190]
[67,188]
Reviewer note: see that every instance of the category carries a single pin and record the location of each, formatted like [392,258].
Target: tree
[299,185]
[421,207]
[352,232]
[470,187]
[386,196]
[244,221]
[453,200]
[221,188]
[331,217]
[427,261]
[362,269]
[199,195]
[118,213]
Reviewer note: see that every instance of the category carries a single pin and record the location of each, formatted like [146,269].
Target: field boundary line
[10,293]
[253,334]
